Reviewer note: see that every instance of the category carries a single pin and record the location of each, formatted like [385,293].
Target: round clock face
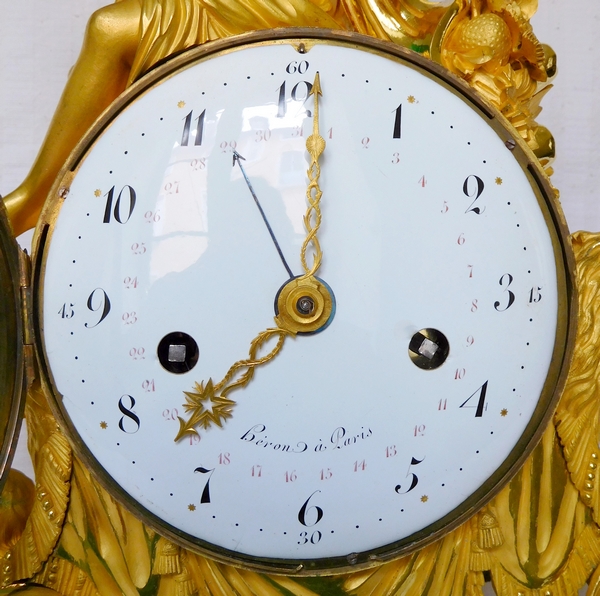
[446,316]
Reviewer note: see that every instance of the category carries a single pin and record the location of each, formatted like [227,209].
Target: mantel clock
[302,303]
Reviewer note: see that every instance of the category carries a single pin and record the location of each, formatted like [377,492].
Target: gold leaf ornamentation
[536,537]
[52,461]
[66,578]
[578,413]
[489,533]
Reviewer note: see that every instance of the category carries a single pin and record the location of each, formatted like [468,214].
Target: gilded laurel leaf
[52,460]
[66,578]
[441,568]
[578,413]
[105,559]
[549,541]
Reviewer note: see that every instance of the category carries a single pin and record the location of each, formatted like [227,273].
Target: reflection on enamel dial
[420,389]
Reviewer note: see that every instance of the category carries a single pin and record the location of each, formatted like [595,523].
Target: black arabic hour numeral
[474,192]
[282,96]
[205,498]
[103,304]
[505,282]
[185,137]
[306,512]
[398,123]
[281,108]
[414,480]
[481,392]
[128,415]
[116,212]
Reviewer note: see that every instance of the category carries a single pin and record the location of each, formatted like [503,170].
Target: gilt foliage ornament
[539,537]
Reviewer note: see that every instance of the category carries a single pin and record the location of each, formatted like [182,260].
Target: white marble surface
[39,41]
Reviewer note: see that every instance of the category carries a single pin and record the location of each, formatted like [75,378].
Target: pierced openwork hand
[315,145]
[305,304]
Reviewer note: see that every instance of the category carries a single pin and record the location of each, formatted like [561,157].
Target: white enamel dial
[366,436]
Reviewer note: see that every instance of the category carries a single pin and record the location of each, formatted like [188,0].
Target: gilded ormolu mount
[538,537]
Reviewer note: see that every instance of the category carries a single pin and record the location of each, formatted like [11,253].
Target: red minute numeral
[172,188]
[365,142]
[461,240]
[170,414]
[396,158]
[459,374]
[443,404]
[224,459]
[445,207]
[257,471]
[194,439]
[227,146]
[474,305]
[291,476]
[198,164]
[129,318]
[152,217]
[148,386]
[262,135]
[420,430]
[326,473]
[423,182]
[130,283]
[470,268]
[391,451]
[470,341]
[138,248]
[137,353]
[360,465]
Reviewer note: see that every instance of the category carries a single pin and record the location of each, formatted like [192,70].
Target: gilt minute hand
[315,145]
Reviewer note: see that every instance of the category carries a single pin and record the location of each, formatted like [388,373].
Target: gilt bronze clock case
[16,349]
[107,385]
